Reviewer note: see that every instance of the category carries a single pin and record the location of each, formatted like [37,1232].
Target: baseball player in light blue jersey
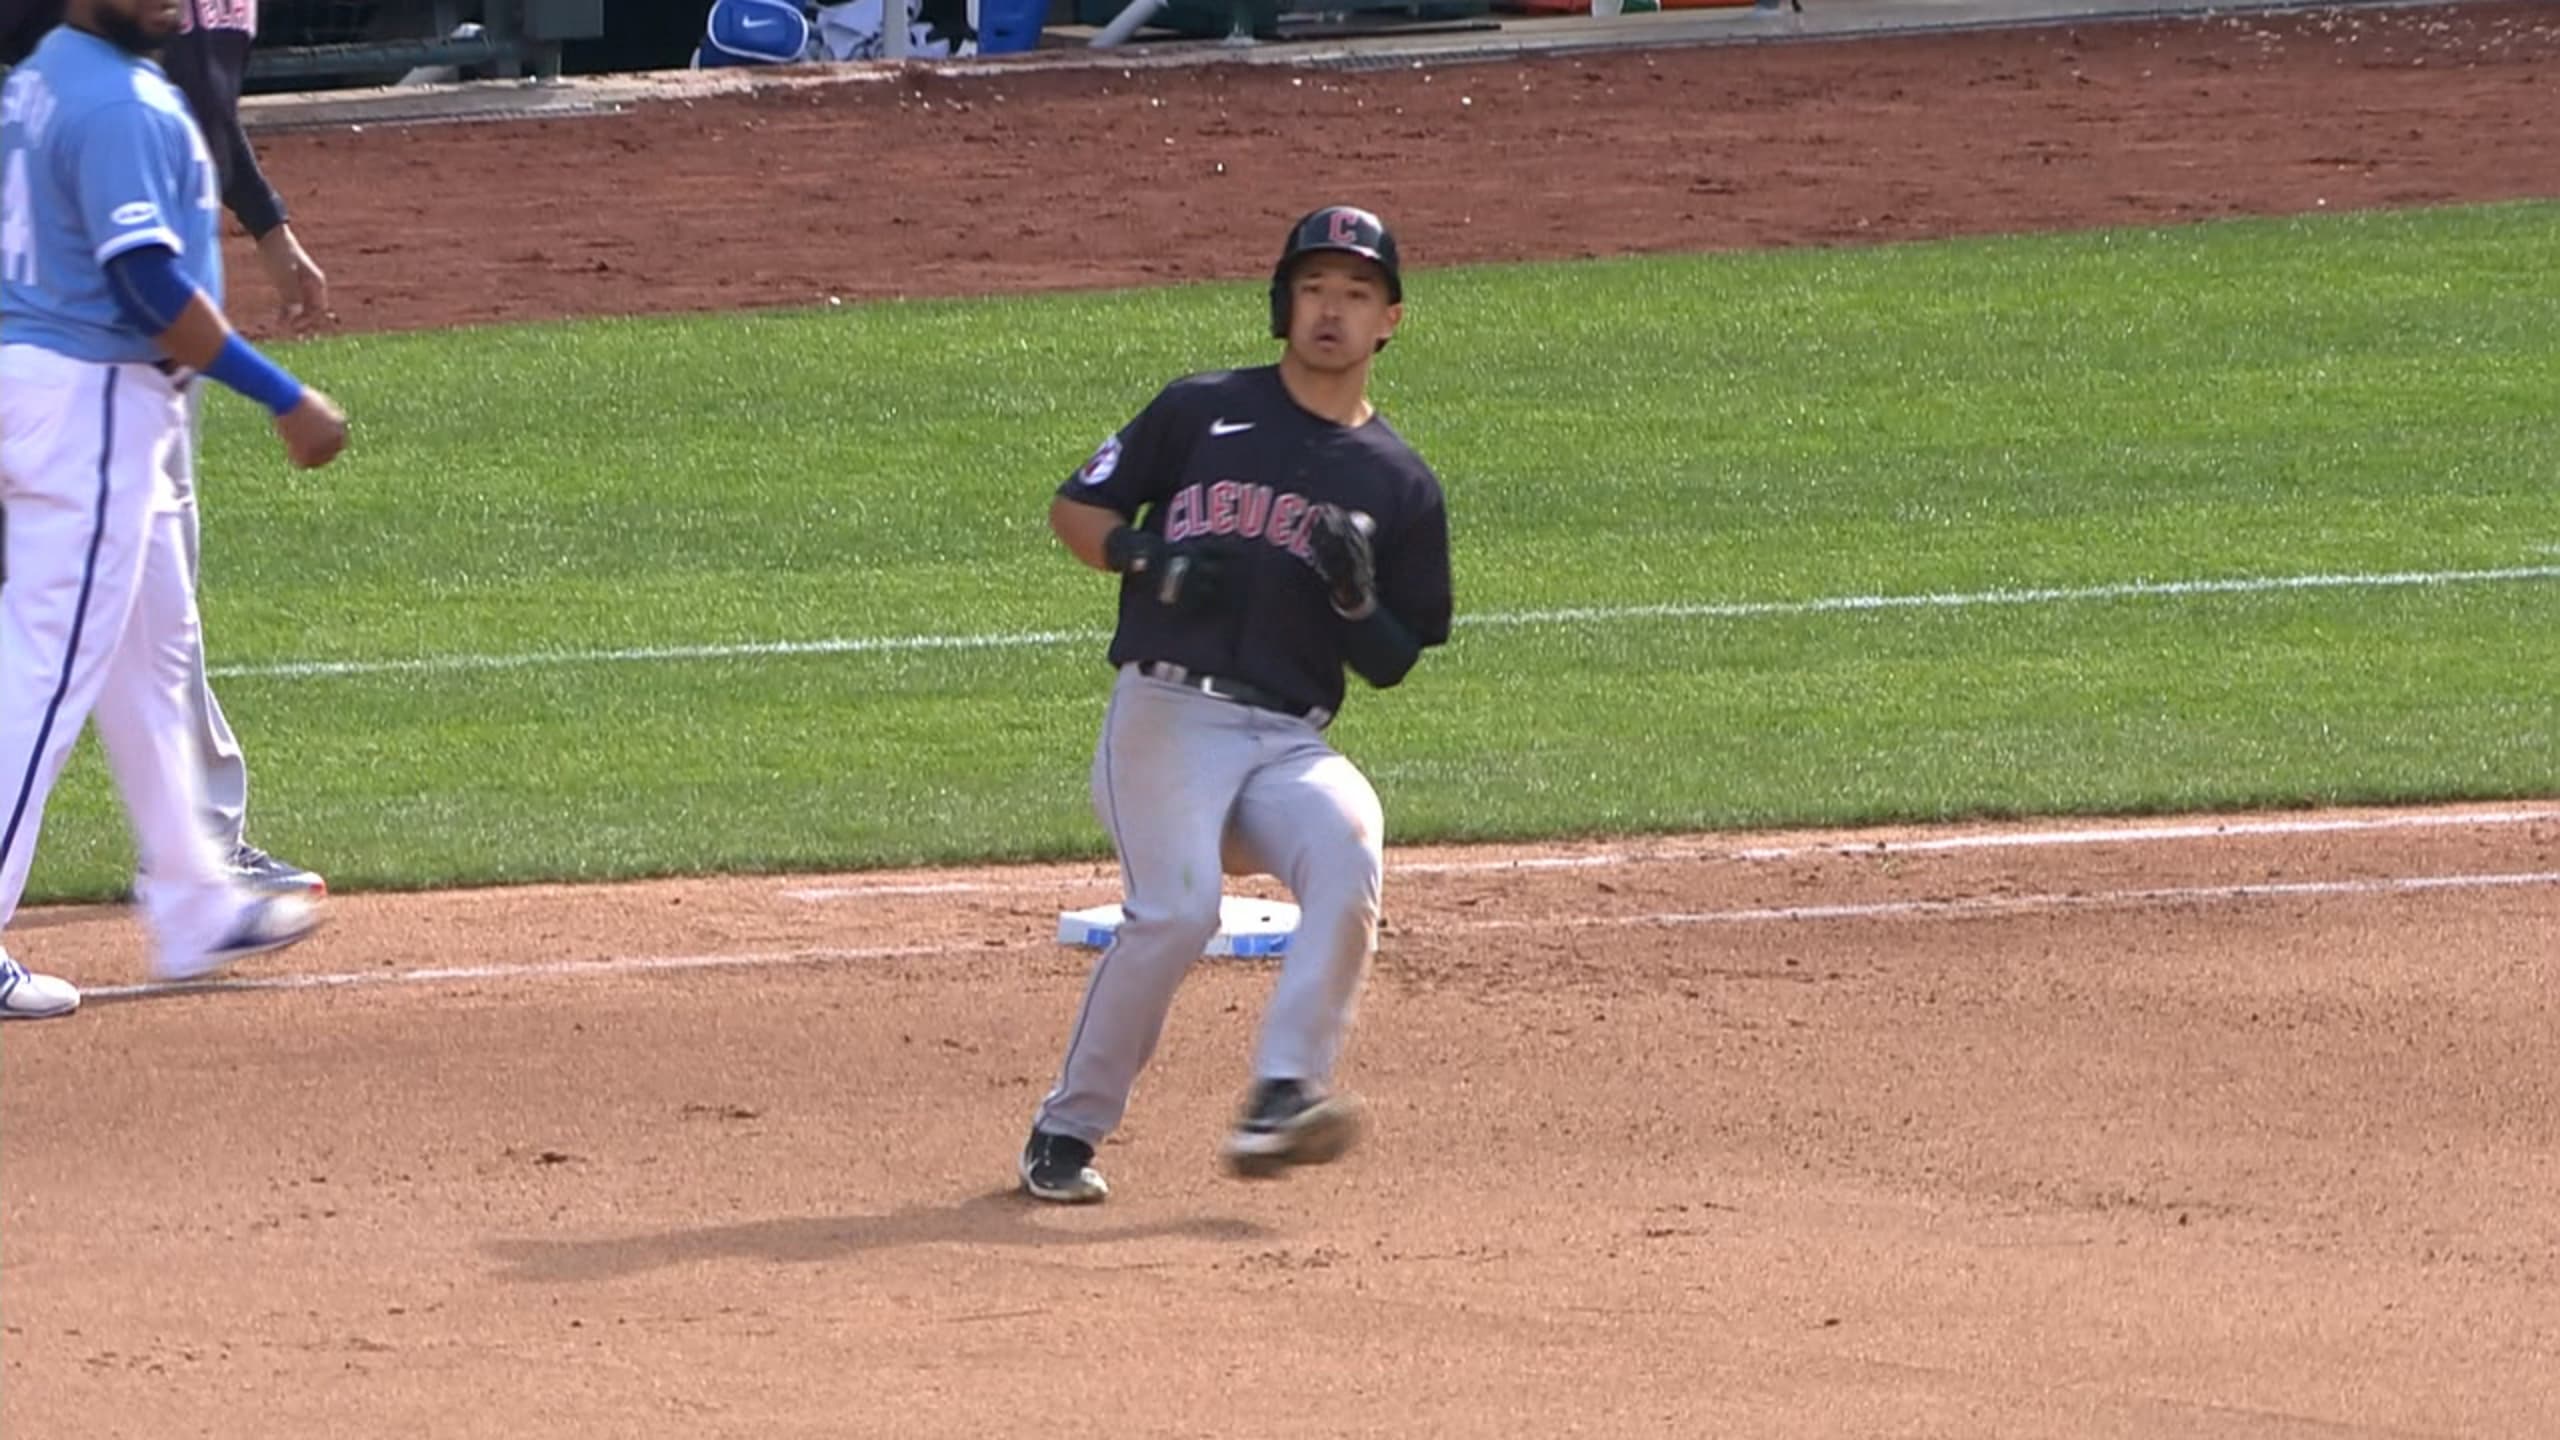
[206,60]
[110,310]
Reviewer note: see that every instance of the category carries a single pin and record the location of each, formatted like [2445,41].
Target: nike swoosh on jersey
[1223,427]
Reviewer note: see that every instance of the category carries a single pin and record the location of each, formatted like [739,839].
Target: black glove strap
[1379,647]
[1132,551]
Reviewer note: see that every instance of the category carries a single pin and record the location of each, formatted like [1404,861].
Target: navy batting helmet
[1342,228]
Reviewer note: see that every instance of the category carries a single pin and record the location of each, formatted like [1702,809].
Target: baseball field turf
[2254,513]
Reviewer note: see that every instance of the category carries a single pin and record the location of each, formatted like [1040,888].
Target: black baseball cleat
[1286,1122]
[268,875]
[1059,1168]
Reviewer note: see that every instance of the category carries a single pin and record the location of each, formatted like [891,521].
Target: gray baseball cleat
[268,875]
[1287,1122]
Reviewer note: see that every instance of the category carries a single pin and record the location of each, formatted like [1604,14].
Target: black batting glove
[1132,551]
[1339,544]
[1185,577]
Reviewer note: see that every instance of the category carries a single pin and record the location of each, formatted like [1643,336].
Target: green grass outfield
[2104,415]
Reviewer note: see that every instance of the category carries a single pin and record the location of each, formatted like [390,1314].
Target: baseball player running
[1269,528]
[110,308]
[207,60]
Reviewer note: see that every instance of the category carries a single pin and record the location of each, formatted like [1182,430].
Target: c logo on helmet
[1344,227]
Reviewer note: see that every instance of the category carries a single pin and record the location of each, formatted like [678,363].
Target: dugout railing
[376,41]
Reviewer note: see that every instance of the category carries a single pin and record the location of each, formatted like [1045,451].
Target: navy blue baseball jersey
[1229,460]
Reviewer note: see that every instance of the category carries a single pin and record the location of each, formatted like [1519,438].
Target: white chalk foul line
[2128,590]
[856,645]
[2014,904]
[539,970]
[2003,840]
[1733,610]
[1902,909]
[2157,833]
[867,892]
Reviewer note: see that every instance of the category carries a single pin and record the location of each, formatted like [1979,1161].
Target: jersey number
[17,224]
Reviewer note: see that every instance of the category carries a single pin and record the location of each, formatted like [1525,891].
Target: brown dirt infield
[2243,1131]
[1052,179]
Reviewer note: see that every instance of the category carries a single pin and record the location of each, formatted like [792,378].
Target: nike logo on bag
[1229,427]
[758,24]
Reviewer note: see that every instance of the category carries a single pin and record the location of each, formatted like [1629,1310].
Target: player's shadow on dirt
[1000,1217]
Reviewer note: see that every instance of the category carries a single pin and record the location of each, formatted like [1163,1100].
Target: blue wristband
[241,367]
